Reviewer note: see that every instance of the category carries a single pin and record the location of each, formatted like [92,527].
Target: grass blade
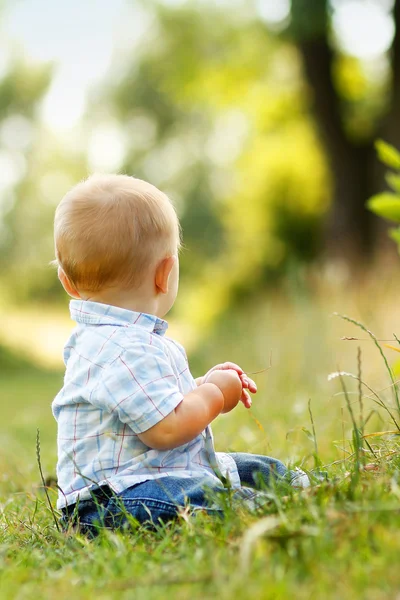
[43,479]
[377,344]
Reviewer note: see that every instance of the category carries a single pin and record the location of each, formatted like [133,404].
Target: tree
[212,109]
[22,87]
[355,172]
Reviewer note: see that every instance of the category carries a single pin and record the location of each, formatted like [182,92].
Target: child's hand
[230,384]
[247,383]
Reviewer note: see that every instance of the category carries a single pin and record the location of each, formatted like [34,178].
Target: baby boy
[134,434]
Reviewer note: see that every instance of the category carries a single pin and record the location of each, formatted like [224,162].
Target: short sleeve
[139,386]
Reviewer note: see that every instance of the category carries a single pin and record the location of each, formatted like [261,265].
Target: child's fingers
[246,399]
[245,381]
[224,367]
[252,386]
[233,366]
[248,383]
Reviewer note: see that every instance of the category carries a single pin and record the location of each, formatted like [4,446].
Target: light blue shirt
[123,376]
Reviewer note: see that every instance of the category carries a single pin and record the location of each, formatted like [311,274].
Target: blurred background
[258,118]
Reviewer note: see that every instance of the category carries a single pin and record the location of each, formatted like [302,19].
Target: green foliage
[387,204]
[213,108]
[214,111]
[11,361]
[388,154]
[22,87]
[393,181]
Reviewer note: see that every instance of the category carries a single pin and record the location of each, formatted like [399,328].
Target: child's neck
[137,302]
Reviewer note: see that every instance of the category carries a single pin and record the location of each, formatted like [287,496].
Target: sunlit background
[258,118]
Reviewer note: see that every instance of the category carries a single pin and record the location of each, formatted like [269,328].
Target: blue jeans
[160,500]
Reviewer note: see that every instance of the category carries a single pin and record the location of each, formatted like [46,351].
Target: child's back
[122,376]
[133,424]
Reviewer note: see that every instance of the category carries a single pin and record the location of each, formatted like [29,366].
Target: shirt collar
[95,313]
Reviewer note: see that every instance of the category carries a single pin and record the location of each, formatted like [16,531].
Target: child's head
[111,231]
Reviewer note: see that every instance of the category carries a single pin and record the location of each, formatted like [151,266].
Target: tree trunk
[349,230]
[391,127]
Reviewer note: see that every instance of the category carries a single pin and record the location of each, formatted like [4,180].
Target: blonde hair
[110,228]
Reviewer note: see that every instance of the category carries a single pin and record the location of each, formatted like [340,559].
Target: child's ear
[163,272]
[67,285]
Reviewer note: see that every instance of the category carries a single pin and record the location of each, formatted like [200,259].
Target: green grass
[320,545]
[338,540]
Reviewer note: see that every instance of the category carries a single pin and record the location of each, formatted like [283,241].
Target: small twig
[377,399]
[376,342]
[43,479]
[380,433]
[342,460]
[257,422]
[258,372]
[262,370]
[356,339]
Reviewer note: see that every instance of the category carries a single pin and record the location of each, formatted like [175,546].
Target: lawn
[339,539]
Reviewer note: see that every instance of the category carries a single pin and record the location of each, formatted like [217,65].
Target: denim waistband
[99,495]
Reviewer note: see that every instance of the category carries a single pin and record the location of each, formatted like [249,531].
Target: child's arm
[247,383]
[221,393]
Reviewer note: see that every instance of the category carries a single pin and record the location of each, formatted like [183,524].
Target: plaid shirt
[122,377]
